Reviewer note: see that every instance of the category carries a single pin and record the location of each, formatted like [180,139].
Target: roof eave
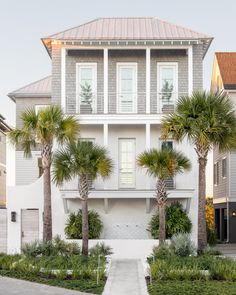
[13,95]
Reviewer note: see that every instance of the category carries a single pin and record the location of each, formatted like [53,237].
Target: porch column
[63,79]
[105,78]
[147,147]
[148,80]
[190,70]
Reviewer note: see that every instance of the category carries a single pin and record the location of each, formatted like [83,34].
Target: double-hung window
[127,87]
[216,173]
[167,86]
[86,87]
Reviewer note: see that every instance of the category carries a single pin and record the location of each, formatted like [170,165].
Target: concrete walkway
[9,286]
[228,250]
[126,277]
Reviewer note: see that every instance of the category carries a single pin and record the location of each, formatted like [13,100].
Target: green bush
[161,252]
[73,229]
[177,221]
[56,247]
[182,245]
[100,249]
[223,269]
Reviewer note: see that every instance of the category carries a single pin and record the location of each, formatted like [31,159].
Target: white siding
[27,170]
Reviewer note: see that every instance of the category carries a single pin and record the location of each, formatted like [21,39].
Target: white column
[63,79]
[148,136]
[105,135]
[147,147]
[105,86]
[190,70]
[105,143]
[148,71]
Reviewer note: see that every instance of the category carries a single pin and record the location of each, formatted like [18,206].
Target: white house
[127,62]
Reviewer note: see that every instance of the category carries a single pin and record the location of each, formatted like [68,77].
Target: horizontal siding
[26,169]
[233,175]
[222,189]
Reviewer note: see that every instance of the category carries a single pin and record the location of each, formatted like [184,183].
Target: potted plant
[86,96]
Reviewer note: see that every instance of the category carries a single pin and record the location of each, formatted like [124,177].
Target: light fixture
[234,213]
[13,216]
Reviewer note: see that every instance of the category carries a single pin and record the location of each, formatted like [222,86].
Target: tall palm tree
[87,161]
[206,120]
[42,129]
[163,164]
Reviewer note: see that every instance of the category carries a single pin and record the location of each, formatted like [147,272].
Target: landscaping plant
[163,164]
[207,120]
[177,221]
[73,229]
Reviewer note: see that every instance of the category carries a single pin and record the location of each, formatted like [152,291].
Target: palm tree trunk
[161,200]
[83,190]
[47,215]
[202,235]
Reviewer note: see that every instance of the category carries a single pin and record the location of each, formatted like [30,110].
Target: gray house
[119,76]
[224,191]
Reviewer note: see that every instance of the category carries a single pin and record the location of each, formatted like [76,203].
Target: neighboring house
[224,191]
[119,76]
[3,129]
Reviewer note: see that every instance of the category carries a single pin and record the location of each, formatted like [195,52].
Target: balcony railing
[131,103]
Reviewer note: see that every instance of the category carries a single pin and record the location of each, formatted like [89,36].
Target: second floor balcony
[128,103]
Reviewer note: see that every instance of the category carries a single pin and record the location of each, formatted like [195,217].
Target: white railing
[131,103]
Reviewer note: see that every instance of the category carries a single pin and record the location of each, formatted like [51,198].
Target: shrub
[182,245]
[223,269]
[100,249]
[161,252]
[73,229]
[177,221]
[50,248]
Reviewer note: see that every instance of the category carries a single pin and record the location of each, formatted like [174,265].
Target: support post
[63,79]
[105,72]
[148,71]
[190,70]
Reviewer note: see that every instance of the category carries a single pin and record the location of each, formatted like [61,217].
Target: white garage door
[29,225]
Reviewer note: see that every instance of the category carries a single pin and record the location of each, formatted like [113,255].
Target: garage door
[29,225]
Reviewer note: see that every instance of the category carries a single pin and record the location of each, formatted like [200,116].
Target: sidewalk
[126,277]
[11,286]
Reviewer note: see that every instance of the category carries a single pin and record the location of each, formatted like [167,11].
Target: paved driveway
[9,286]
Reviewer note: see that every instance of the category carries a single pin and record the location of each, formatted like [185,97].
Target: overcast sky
[24,59]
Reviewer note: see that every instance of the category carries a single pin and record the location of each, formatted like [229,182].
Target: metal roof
[128,28]
[40,88]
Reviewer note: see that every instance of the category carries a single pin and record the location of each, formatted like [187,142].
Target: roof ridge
[49,76]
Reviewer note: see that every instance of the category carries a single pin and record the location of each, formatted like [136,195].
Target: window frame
[173,65]
[133,186]
[79,66]
[224,173]
[120,65]
[216,174]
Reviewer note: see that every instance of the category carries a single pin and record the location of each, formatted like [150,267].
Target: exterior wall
[3,230]
[83,56]
[221,190]
[178,56]
[2,169]
[27,170]
[197,67]
[23,104]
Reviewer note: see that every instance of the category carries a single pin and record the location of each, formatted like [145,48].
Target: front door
[127,163]
[29,225]
[127,88]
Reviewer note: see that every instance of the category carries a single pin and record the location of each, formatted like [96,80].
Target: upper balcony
[128,103]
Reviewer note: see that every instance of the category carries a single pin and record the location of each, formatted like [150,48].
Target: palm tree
[87,161]
[206,120]
[42,129]
[163,164]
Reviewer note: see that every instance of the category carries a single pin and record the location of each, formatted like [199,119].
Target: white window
[39,107]
[167,85]
[216,173]
[126,163]
[127,87]
[86,85]
[224,167]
